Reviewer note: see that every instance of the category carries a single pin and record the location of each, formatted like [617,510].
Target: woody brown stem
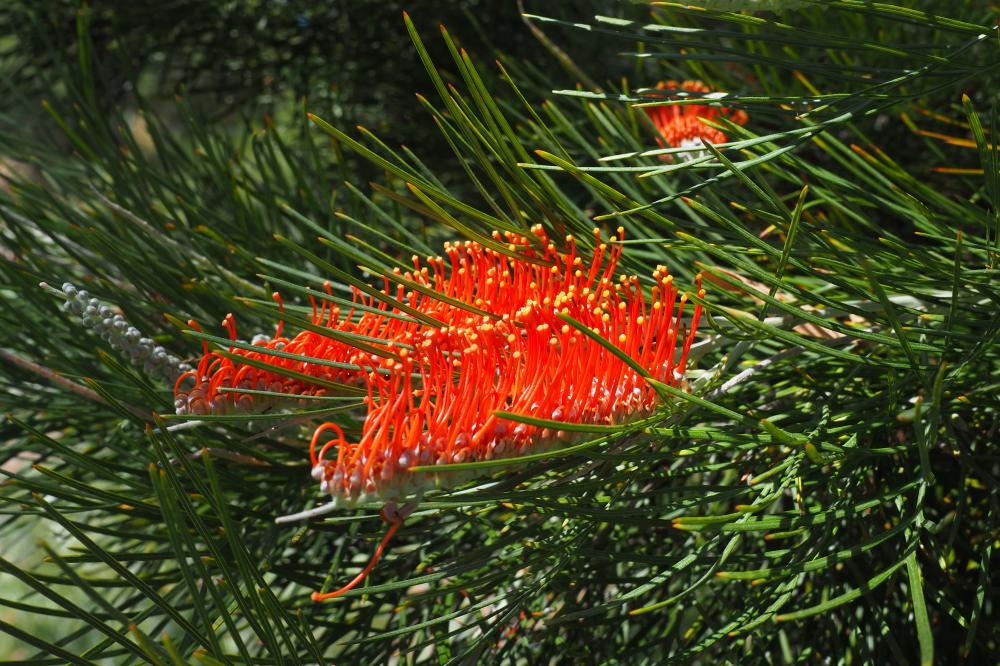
[67,384]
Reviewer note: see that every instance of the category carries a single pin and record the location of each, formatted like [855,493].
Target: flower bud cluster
[123,338]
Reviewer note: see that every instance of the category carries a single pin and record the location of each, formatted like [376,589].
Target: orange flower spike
[438,402]
[679,125]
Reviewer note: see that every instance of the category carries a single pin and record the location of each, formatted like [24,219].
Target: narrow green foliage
[820,487]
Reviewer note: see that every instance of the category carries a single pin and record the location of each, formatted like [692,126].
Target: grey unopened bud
[116,331]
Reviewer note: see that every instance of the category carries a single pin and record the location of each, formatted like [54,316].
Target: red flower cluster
[680,126]
[491,338]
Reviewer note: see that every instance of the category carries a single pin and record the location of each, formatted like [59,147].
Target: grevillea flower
[494,335]
[679,125]
[440,405]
